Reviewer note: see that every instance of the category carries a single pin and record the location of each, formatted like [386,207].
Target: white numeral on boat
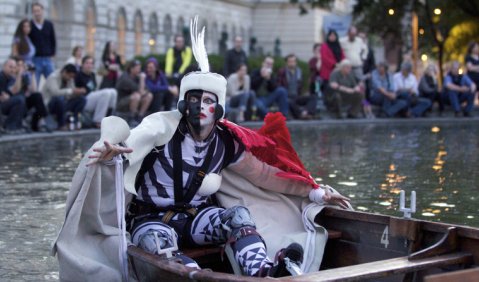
[385,237]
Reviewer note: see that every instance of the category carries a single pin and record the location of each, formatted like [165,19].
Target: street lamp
[437,11]
[391,12]
[423,57]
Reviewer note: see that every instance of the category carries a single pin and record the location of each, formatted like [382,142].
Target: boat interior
[361,247]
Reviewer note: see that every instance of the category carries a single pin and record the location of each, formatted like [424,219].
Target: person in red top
[314,70]
[112,64]
[331,54]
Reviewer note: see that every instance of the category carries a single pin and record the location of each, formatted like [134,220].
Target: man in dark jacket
[291,78]
[264,83]
[235,57]
[43,38]
[12,105]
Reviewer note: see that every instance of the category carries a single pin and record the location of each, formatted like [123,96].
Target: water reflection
[440,163]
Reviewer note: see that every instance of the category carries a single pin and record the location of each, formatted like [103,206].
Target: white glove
[324,195]
[316,195]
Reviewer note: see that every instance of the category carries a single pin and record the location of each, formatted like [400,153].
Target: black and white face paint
[200,110]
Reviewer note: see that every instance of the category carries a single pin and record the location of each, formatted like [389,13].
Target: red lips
[202,116]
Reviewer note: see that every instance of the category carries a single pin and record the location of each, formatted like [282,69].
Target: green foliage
[455,27]
[217,63]
[459,38]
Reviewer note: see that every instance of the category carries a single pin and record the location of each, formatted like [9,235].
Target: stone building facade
[143,26]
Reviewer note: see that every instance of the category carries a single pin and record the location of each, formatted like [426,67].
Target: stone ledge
[437,121]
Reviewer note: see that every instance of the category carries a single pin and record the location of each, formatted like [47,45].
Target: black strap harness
[182,199]
[182,196]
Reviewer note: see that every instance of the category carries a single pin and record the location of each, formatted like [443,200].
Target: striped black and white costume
[156,189]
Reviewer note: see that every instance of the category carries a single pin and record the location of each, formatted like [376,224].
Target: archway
[138,33]
[90,27]
[168,30]
[153,30]
[121,29]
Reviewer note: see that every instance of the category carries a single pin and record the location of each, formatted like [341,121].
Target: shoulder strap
[178,168]
[200,174]
[228,141]
[146,165]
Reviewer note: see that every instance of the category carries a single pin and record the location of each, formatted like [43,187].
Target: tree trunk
[438,40]
[441,62]
[406,28]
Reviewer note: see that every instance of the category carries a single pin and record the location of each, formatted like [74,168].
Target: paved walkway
[448,118]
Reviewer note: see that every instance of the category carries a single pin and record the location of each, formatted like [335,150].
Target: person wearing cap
[406,88]
[133,97]
[175,163]
[157,84]
[345,90]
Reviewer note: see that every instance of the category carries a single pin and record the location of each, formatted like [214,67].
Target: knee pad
[236,218]
[154,237]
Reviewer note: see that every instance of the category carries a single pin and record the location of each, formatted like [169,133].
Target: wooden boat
[361,246]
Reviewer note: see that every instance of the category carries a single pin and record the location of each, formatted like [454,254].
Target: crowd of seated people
[342,75]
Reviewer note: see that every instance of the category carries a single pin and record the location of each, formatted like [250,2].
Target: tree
[440,35]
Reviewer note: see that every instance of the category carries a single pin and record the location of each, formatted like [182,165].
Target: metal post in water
[402,204]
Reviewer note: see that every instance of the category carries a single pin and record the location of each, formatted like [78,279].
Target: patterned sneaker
[287,259]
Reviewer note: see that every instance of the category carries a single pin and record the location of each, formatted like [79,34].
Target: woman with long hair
[112,64]
[22,46]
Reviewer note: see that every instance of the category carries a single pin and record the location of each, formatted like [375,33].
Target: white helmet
[203,79]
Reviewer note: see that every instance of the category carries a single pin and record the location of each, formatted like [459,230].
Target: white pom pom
[114,129]
[211,183]
[316,195]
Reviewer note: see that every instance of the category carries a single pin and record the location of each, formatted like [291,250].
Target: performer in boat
[174,165]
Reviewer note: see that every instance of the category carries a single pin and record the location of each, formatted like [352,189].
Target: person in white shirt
[238,93]
[76,57]
[355,50]
[406,88]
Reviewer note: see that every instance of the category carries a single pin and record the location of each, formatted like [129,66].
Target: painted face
[200,109]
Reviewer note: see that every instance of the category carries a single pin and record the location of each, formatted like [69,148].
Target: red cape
[272,144]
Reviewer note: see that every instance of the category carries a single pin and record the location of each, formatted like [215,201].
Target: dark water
[369,163]
[34,181]
[372,163]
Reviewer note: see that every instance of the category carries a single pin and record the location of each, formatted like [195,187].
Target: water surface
[370,163]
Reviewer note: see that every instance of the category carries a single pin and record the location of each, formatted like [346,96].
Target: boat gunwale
[425,225]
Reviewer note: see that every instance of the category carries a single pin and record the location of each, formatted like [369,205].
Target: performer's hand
[107,152]
[335,199]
